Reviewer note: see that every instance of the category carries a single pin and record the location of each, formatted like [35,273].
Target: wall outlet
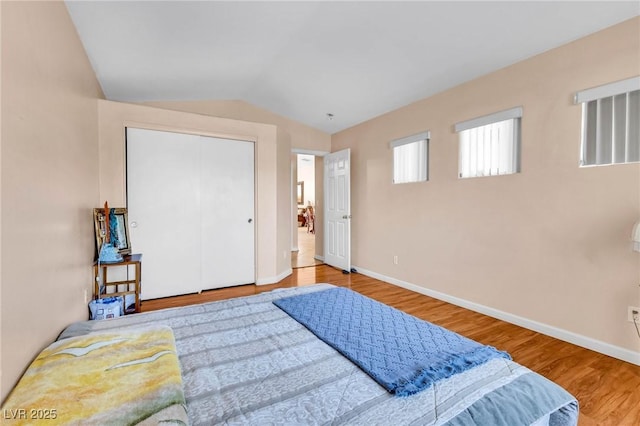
[633,311]
[395,260]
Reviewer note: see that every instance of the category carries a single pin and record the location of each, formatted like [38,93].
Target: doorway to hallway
[303,170]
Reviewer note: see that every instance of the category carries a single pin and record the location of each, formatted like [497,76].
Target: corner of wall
[50,179]
[284,202]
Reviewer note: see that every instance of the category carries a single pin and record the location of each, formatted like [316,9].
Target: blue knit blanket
[402,353]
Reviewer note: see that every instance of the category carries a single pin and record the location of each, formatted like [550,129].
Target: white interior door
[190,201]
[337,209]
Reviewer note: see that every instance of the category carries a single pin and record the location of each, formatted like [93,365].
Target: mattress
[246,362]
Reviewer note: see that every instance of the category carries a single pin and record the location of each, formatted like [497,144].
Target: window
[411,158]
[610,123]
[490,145]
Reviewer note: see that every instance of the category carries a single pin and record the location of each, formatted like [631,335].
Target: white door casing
[337,209]
[190,204]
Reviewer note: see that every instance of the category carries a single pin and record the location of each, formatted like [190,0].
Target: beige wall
[550,244]
[49,180]
[116,116]
[301,136]
[3,388]
[284,204]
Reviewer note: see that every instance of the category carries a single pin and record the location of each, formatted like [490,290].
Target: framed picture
[300,193]
[119,229]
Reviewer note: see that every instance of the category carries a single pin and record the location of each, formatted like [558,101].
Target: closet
[190,201]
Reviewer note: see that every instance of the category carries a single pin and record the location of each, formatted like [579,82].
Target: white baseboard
[318,257]
[295,249]
[273,280]
[558,333]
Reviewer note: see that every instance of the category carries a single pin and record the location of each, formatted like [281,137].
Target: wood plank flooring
[608,389]
[305,256]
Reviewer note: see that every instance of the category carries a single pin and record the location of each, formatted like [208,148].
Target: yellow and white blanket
[120,377]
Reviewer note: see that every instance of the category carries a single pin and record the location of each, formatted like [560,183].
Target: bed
[246,361]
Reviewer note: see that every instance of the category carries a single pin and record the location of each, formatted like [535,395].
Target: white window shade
[490,145]
[488,119]
[610,123]
[410,139]
[606,90]
[410,158]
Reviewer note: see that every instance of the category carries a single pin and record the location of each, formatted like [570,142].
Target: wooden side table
[105,284]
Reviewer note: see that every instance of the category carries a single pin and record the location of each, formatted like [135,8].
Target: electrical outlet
[633,312]
[395,260]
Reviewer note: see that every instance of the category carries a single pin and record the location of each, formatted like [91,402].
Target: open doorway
[305,219]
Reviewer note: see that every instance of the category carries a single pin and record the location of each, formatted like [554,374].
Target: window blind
[488,119]
[610,123]
[410,158]
[606,90]
[490,145]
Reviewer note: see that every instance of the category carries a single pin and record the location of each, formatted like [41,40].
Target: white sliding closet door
[228,254]
[163,203]
[190,201]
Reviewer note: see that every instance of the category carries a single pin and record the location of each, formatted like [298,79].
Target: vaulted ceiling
[303,60]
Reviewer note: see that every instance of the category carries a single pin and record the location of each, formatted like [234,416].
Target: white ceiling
[302,60]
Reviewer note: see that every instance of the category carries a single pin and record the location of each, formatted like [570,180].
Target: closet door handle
[250,220]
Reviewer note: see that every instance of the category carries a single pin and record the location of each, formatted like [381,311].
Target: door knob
[250,220]
[134,224]
[346,217]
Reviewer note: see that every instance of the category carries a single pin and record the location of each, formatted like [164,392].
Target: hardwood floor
[305,256]
[608,389]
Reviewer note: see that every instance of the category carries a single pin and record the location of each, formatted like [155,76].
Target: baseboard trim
[555,332]
[318,257]
[273,280]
